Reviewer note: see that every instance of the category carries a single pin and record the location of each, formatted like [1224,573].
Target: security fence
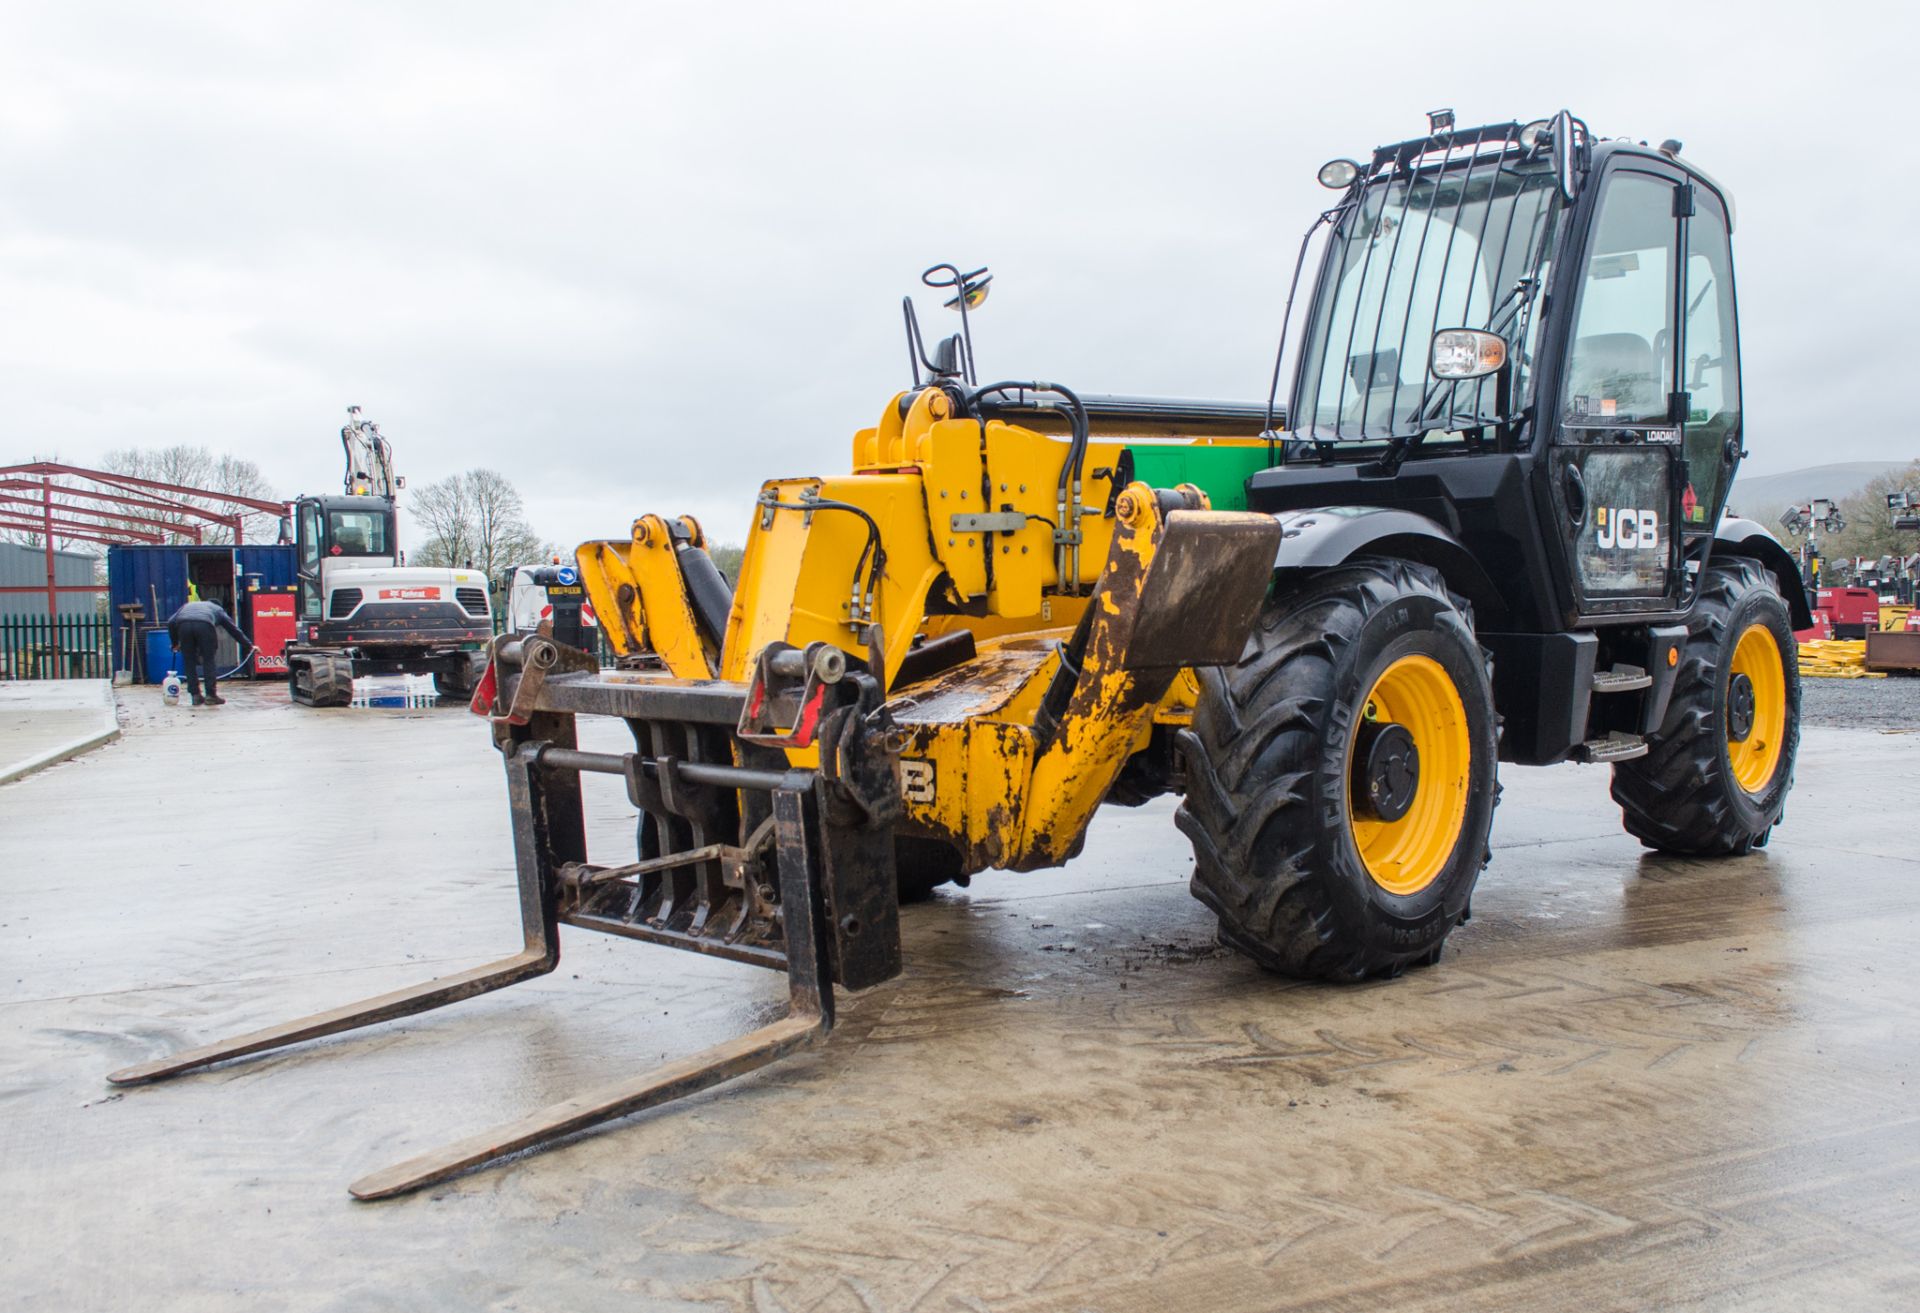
[79,647]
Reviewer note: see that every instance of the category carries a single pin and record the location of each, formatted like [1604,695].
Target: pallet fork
[742,857]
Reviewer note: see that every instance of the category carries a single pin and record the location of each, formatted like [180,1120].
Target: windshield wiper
[1499,319]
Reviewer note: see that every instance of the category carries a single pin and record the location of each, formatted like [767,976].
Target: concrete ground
[44,721]
[1633,1083]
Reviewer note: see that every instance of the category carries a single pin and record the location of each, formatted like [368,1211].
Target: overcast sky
[640,257]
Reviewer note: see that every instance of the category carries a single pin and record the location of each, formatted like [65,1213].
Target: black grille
[472,600]
[342,603]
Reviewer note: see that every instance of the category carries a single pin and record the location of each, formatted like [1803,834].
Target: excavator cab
[358,530]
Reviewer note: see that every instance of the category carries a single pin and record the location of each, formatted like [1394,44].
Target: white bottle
[170,689]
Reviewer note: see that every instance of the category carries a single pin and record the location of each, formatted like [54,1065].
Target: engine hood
[344,574]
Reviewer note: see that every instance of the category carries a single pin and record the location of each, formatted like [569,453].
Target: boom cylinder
[707,589]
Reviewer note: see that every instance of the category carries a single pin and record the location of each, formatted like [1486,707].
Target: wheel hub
[1389,771]
[1739,708]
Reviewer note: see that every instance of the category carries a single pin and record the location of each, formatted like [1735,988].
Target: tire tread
[1249,755]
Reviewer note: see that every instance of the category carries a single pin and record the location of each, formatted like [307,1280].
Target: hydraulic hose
[1068,498]
[1078,424]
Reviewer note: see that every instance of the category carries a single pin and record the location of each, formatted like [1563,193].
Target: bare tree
[474,519]
[502,535]
[1870,532]
[443,513]
[198,467]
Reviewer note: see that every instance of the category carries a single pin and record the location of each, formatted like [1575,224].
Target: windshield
[358,533]
[1465,247]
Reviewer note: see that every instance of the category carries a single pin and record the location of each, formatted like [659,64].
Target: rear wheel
[1715,778]
[923,865]
[1341,777]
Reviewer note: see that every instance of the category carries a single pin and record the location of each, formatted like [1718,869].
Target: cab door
[1616,457]
[308,535]
[1709,370]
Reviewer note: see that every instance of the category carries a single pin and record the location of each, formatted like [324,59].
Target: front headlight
[1463,353]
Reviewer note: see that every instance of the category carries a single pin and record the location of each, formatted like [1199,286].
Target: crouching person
[192,630]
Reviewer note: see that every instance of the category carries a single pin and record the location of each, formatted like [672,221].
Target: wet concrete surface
[44,721]
[1633,1082]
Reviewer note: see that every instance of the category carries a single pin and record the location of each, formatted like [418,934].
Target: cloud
[641,257]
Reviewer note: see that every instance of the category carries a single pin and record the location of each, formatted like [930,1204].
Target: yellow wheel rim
[1407,854]
[1755,757]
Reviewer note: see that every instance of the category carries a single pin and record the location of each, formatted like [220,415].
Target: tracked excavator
[360,611]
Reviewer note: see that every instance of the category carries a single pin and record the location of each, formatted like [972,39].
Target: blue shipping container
[157,577]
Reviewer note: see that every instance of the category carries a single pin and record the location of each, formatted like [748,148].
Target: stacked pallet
[1835,658]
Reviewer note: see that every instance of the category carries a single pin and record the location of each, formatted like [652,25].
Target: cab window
[310,560]
[309,538]
[1710,361]
[1620,368]
[357,533]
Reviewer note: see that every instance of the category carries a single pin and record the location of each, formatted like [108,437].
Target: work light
[1337,174]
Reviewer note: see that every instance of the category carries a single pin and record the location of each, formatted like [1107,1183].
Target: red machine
[274,623]
[1821,628]
[1854,612]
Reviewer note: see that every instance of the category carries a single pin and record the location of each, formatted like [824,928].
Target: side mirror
[1466,353]
[1566,162]
[286,529]
[1562,136]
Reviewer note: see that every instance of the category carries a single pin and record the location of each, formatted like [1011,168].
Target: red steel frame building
[119,508]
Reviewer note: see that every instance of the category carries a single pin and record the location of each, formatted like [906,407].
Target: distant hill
[1773,492]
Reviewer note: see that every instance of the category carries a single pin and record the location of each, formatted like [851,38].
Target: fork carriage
[779,867]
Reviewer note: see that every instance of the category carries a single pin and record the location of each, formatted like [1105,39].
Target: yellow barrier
[1835,658]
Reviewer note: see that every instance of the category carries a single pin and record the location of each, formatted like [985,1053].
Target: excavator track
[320,680]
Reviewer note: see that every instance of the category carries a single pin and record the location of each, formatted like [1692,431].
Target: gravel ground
[1891,704]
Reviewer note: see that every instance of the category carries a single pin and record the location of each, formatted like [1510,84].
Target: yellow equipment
[1465,541]
[1027,664]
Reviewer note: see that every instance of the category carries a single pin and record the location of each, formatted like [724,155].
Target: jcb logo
[916,780]
[1627,527]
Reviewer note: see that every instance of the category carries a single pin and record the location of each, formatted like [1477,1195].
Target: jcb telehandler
[1487,528]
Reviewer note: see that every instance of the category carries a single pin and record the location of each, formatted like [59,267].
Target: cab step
[1613,747]
[1621,679]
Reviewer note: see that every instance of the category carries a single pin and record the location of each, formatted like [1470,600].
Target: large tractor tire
[1341,778]
[1715,778]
